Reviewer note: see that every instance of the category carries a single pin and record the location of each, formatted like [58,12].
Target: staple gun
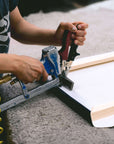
[57,64]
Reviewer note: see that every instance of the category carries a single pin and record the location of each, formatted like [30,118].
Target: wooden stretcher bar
[102,111]
[92,61]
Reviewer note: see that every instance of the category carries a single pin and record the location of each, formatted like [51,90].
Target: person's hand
[78,30]
[28,69]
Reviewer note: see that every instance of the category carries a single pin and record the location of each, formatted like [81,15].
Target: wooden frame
[100,114]
[92,61]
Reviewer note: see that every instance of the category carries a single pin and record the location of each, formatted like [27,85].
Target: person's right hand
[28,69]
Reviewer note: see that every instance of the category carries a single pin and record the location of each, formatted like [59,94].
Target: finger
[81,33]
[28,80]
[82,26]
[39,77]
[77,42]
[81,39]
[68,26]
[44,76]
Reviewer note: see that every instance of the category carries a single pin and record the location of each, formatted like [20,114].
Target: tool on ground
[57,65]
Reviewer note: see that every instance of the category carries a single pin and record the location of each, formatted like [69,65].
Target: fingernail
[79,26]
[74,28]
[76,42]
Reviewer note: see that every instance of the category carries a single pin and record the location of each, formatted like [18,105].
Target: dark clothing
[6,6]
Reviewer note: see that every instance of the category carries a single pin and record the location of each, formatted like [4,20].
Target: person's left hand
[78,30]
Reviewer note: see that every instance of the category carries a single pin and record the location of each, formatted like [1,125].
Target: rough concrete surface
[45,119]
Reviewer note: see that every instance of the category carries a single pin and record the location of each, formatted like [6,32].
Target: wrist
[8,63]
[55,39]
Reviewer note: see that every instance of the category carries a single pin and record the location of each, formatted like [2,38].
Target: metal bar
[35,92]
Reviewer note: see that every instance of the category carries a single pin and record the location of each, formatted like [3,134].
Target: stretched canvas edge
[98,114]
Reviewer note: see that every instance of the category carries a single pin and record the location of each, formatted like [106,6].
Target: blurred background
[32,6]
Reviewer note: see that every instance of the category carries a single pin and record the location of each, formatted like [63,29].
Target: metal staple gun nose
[57,66]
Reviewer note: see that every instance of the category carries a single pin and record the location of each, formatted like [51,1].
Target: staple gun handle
[73,52]
[63,52]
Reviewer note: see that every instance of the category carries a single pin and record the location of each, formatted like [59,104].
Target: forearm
[7,63]
[30,34]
